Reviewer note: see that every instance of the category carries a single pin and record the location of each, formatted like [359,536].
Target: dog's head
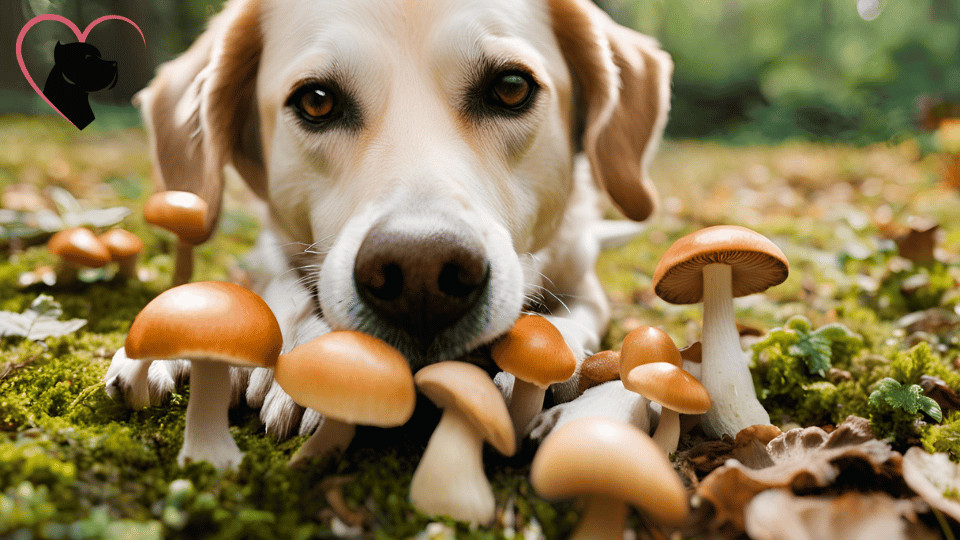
[80,65]
[413,154]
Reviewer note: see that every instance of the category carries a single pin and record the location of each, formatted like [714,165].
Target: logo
[78,70]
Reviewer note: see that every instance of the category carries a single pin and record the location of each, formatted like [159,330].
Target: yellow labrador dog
[419,162]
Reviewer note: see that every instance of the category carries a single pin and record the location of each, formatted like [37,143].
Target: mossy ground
[74,464]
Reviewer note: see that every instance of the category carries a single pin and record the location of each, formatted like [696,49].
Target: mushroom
[350,378]
[714,265]
[534,352]
[185,215]
[77,247]
[597,369]
[609,464]
[124,246]
[214,325]
[675,390]
[450,479]
[662,380]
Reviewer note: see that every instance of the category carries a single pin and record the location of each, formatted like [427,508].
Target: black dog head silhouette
[78,70]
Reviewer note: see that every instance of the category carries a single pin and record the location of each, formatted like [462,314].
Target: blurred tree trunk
[11,21]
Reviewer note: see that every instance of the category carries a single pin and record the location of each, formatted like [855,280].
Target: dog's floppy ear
[623,82]
[200,109]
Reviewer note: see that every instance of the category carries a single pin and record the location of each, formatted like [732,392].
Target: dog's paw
[139,383]
[610,400]
[280,414]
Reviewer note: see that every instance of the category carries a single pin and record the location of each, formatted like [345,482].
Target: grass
[74,464]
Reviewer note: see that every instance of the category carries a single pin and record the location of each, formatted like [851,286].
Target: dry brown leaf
[802,460]
[778,514]
[935,478]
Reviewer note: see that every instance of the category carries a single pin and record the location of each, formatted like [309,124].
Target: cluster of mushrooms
[354,379]
[180,212]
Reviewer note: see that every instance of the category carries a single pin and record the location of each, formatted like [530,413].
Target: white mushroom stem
[450,479]
[725,371]
[525,403]
[603,517]
[667,434]
[183,265]
[207,435]
[331,436]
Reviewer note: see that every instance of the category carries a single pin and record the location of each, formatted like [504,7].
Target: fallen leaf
[935,478]
[779,514]
[39,321]
[802,460]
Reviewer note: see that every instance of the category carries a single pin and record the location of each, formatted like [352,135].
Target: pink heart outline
[81,36]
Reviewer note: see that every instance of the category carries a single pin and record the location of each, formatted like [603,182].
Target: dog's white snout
[419,277]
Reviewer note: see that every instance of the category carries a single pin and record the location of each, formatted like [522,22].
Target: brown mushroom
[450,479]
[77,247]
[534,352]
[124,247]
[597,369]
[609,464]
[185,215]
[214,325]
[350,378]
[675,390]
[714,265]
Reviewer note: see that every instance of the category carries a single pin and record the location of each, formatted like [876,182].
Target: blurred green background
[750,71]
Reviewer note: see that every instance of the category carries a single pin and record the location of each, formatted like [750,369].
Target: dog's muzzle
[421,281]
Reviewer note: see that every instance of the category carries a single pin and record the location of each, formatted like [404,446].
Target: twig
[86,392]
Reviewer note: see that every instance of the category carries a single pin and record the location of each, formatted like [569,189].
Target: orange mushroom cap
[79,246]
[206,320]
[534,351]
[180,212]
[757,263]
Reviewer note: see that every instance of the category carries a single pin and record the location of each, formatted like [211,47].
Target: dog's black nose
[420,282]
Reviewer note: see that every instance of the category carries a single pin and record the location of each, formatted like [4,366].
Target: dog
[78,70]
[429,170]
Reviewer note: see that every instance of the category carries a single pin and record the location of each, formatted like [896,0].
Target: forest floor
[873,239]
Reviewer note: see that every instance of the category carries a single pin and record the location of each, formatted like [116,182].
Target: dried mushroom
[802,460]
[779,514]
[935,478]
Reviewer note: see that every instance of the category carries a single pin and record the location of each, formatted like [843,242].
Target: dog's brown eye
[511,89]
[315,104]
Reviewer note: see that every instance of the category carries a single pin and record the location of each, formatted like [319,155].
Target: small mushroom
[450,479]
[675,390]
[350,378]
[77,247]
[185,215]
[610,464]
[534,352]
[214,325]
[597,369]
[124,247]
[714,265]
[662,380]
[646,345]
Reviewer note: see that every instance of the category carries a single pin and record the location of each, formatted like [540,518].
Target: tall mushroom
[450,479]
[185,215]
[214,325]
[714,265]
[77,247]
[534,352]
[609,464]
[350,378]
[124,246]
